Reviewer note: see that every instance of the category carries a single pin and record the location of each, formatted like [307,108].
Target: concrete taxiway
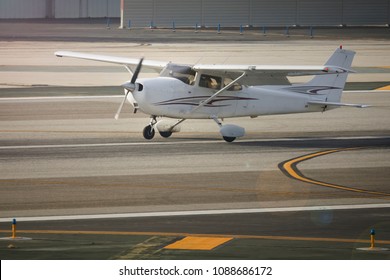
[314,181]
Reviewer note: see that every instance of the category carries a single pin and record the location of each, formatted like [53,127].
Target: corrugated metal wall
[140,12]
[225,12]
[59,8]
[370,12]
[209,12]
[188,13]
[98,8]
[86,8]
[256,12]
[273,12]
[319,12]
[67,9]
[22,9]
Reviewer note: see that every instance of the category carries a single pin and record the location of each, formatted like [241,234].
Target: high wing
[254,74]
[129,63]
[268,74]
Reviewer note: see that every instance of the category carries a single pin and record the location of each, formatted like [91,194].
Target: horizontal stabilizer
[324,103]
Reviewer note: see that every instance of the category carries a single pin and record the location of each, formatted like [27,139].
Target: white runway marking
[187,142]
[198,212]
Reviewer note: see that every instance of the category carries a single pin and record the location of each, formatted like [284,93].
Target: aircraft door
[209,85]
[233,94]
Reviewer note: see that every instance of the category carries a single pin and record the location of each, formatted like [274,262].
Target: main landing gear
[229,132]
[165,134]
[228,139]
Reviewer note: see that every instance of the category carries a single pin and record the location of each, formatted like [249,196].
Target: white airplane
[226,91]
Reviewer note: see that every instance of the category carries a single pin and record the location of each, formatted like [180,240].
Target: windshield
[181,72]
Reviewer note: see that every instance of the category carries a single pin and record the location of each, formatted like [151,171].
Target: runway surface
[65,157]
[69,168]
[305,186]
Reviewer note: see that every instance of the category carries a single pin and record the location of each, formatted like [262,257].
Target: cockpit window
[208,81]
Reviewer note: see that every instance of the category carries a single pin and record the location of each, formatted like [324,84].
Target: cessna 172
[225,91]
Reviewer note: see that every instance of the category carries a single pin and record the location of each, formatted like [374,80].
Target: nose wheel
[149,131]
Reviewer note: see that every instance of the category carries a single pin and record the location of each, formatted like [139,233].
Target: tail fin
[332,83]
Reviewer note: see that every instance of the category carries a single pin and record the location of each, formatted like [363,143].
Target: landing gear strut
[229,132]
[148,131]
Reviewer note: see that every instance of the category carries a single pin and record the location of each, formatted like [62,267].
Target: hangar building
[22,9]
[162,13]
[187,13]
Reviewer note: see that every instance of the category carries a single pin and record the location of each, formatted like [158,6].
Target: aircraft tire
[229,139]
[148,132]
[166,134]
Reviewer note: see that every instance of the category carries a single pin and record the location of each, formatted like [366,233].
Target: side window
[235,87]
[208,81]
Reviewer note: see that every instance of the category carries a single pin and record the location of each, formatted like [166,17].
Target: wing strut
[205,102]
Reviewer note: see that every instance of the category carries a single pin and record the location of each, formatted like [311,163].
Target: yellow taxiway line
[290,168]
[384,88]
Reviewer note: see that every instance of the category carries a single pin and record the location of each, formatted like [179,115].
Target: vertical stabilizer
[333,83]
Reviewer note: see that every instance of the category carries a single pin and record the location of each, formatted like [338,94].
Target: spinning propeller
[130,87]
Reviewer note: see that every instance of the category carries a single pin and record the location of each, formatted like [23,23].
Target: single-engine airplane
[226,91]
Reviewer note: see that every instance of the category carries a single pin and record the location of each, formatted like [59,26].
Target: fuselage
[170,97]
